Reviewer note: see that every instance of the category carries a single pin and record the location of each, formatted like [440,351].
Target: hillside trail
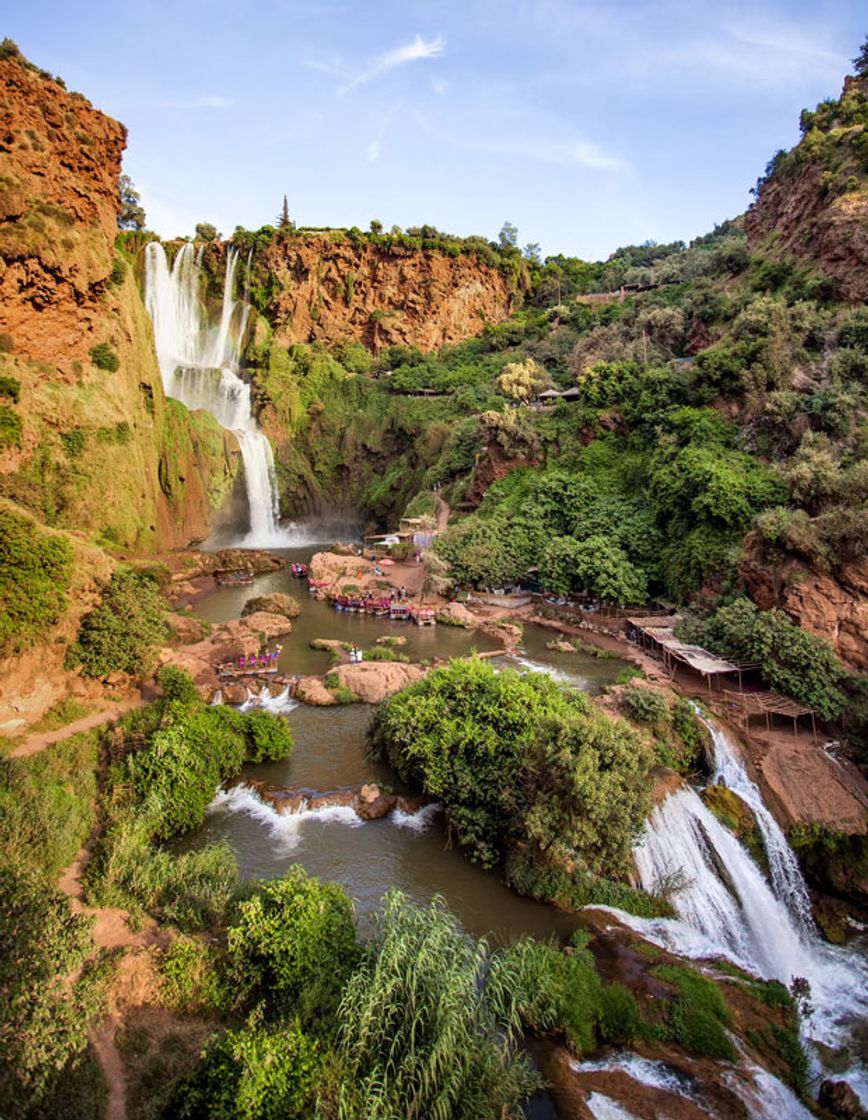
[443,514]
[33,744]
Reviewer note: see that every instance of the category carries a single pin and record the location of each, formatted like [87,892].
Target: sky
[586,125]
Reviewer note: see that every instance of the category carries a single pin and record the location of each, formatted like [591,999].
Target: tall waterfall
[199,367]
[727,908]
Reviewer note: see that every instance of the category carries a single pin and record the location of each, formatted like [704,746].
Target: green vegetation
[190,748]
[793,661]
[515,758]
[123,632]
[35,572]
[104,357]
[426,1029]
[10,427]
[10,387]
[699,1015]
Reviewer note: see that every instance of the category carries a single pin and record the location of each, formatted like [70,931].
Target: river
[410,853]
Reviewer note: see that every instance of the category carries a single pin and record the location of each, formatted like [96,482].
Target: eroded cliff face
[832,605]
[332,290]
[815,206]
[90,444]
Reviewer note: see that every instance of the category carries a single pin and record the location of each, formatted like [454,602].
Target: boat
[399,612]
[233,579]
[423,616]
[299,571]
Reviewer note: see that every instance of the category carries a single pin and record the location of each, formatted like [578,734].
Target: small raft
[233,579]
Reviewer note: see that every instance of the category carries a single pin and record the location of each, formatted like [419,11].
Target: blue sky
[588,125]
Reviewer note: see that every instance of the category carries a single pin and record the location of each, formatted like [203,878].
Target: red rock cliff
[339,289]
[815,207]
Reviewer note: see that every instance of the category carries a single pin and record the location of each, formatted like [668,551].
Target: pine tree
[861,60]
[283,219]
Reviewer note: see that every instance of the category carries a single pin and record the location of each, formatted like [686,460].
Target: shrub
[192,978]
[10,387]
[123,632]
[619,1018]
[43,1018]
[10,427]
[177,684]
[104,357]
[644,705]
[35,571]
[268,736]
[293,946]
[258,1073]
[74,442]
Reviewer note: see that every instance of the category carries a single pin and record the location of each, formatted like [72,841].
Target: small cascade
[727,908]
[787,880]
[199,367]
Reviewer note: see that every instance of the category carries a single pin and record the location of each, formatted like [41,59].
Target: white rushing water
[726,907]
[199,368]
[285,828]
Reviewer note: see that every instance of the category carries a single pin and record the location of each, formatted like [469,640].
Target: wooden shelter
[657,634]
[768,704]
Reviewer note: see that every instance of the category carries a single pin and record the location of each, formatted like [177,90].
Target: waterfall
[199,368]
[726,907]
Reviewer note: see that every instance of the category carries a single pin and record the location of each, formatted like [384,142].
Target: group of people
[262,660]
[356,655]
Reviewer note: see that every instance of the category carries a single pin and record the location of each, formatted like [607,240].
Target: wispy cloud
[205,101]
[373,150]
[574,152]
[376,145]
[411,52]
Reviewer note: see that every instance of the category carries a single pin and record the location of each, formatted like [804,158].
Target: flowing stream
[199,367]
[726,907]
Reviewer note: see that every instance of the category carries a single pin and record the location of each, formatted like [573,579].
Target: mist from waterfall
[726,906]
[199,366]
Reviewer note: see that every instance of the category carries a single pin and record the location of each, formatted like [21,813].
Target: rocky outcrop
[328,287]
[815,206]
[276,603]
[375,681]
[830,604]
[200,654]
[369,801]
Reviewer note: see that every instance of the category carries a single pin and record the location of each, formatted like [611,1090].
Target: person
[403,592]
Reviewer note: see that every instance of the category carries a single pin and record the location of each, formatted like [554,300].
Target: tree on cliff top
[131,214]
[206,231]
[861,60]
[283,219]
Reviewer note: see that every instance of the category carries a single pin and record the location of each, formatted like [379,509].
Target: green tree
[283,219]
[860,62]
[123,632]
[522,380]
[461,735]
[596,566]
[293,946]
[508,236]
[131,214]
[206,231]
[587,776]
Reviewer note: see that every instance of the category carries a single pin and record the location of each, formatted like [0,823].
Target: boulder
[841,1100]
[456,614]
[276,603]
[412,805]
[311,690]
[374,681]
[266,624]
[372,803]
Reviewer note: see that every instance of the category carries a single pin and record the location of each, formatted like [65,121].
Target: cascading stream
[727,908]
[199,368]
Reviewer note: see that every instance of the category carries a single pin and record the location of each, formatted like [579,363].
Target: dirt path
[443,515]
[33,744]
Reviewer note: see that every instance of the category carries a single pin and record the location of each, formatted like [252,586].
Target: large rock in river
[374,681]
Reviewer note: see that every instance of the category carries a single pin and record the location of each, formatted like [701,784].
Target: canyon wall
[332,287]
[88,441]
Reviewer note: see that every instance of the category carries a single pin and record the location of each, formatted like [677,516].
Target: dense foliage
[122,633]
[517,758]
[793,661]
[35,571]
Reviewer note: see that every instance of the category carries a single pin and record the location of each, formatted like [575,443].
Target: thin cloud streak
[416,51]
[206,101]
